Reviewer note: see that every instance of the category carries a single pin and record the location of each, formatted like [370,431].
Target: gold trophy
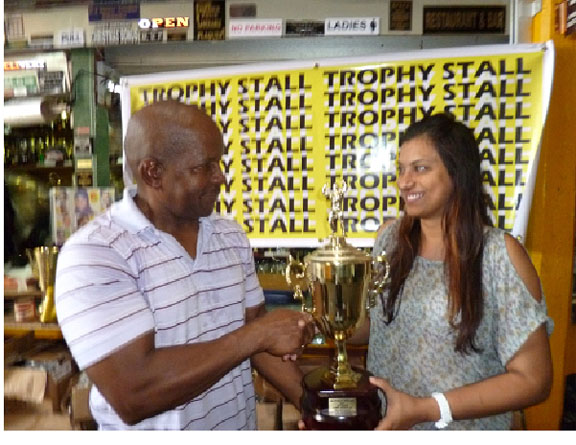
[342,283]
[46,258]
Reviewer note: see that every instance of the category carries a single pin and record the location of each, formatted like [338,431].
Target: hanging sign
[255,28]
[304,28]
[115,33]
[107,10]
[464,19]
[164,22]
[291,128]
[352,26]
[400,16]
[209,20]
[69,38]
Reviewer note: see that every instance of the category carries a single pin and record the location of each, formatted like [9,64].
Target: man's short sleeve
[98,303]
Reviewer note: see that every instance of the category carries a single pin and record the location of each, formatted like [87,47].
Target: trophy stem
[345,376]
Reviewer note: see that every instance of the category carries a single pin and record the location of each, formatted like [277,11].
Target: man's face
[191,183]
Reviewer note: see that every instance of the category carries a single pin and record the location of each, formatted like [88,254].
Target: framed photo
[72,207]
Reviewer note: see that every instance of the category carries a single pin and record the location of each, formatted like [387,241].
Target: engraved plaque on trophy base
[326,408]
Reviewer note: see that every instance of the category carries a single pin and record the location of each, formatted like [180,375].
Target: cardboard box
[27,385]
[80,406]
[60,368]
[43,375]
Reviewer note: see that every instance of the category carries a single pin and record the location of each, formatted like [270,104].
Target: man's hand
[285,332]
[281,330]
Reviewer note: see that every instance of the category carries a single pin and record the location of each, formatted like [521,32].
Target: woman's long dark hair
[463,225]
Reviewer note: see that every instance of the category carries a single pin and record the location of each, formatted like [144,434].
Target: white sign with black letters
[68,38]
[352,26]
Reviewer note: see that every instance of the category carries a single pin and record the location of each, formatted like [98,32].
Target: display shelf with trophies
[33,309]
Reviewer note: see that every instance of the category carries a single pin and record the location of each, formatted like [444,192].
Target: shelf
[65,96]
[40,168]
[273,281]
[27,50]
[46,331]
[46,175]
[15,295]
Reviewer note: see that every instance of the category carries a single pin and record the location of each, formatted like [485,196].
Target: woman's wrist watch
[445,412]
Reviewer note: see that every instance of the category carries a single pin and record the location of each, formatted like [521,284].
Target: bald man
[158,298]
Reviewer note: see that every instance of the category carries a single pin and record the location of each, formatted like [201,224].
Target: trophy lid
[337,250]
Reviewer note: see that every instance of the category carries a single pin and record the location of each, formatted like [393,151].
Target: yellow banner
[288,132]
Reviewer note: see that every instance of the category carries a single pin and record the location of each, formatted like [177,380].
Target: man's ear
[151,171]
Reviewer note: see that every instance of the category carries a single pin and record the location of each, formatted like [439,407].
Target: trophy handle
[381,274]
[296,279]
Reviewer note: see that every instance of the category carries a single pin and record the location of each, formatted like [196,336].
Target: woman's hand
[403,411]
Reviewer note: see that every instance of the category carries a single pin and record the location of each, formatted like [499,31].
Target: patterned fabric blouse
[416,351]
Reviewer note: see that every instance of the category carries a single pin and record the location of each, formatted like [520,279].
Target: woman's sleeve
[383,239]
[519,313]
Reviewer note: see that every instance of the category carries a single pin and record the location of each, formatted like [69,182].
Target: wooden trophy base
[326,408]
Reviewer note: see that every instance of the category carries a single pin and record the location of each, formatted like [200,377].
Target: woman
[460,332]
[84,212]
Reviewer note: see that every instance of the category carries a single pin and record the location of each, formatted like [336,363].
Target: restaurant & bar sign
[464,19]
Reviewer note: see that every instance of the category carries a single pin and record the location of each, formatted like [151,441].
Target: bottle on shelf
[41,150]
[32,150]
[43,145]
[23,152]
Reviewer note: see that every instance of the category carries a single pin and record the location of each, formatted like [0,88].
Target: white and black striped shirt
[119,277]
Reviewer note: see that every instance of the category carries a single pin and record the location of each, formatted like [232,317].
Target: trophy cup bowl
[46,259]
[342,282]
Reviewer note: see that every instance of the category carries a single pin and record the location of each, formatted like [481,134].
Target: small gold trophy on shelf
[46,259]
[342,282]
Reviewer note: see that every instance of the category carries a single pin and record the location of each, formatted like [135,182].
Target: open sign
[164,22]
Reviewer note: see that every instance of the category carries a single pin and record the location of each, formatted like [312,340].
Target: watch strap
[445,412]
